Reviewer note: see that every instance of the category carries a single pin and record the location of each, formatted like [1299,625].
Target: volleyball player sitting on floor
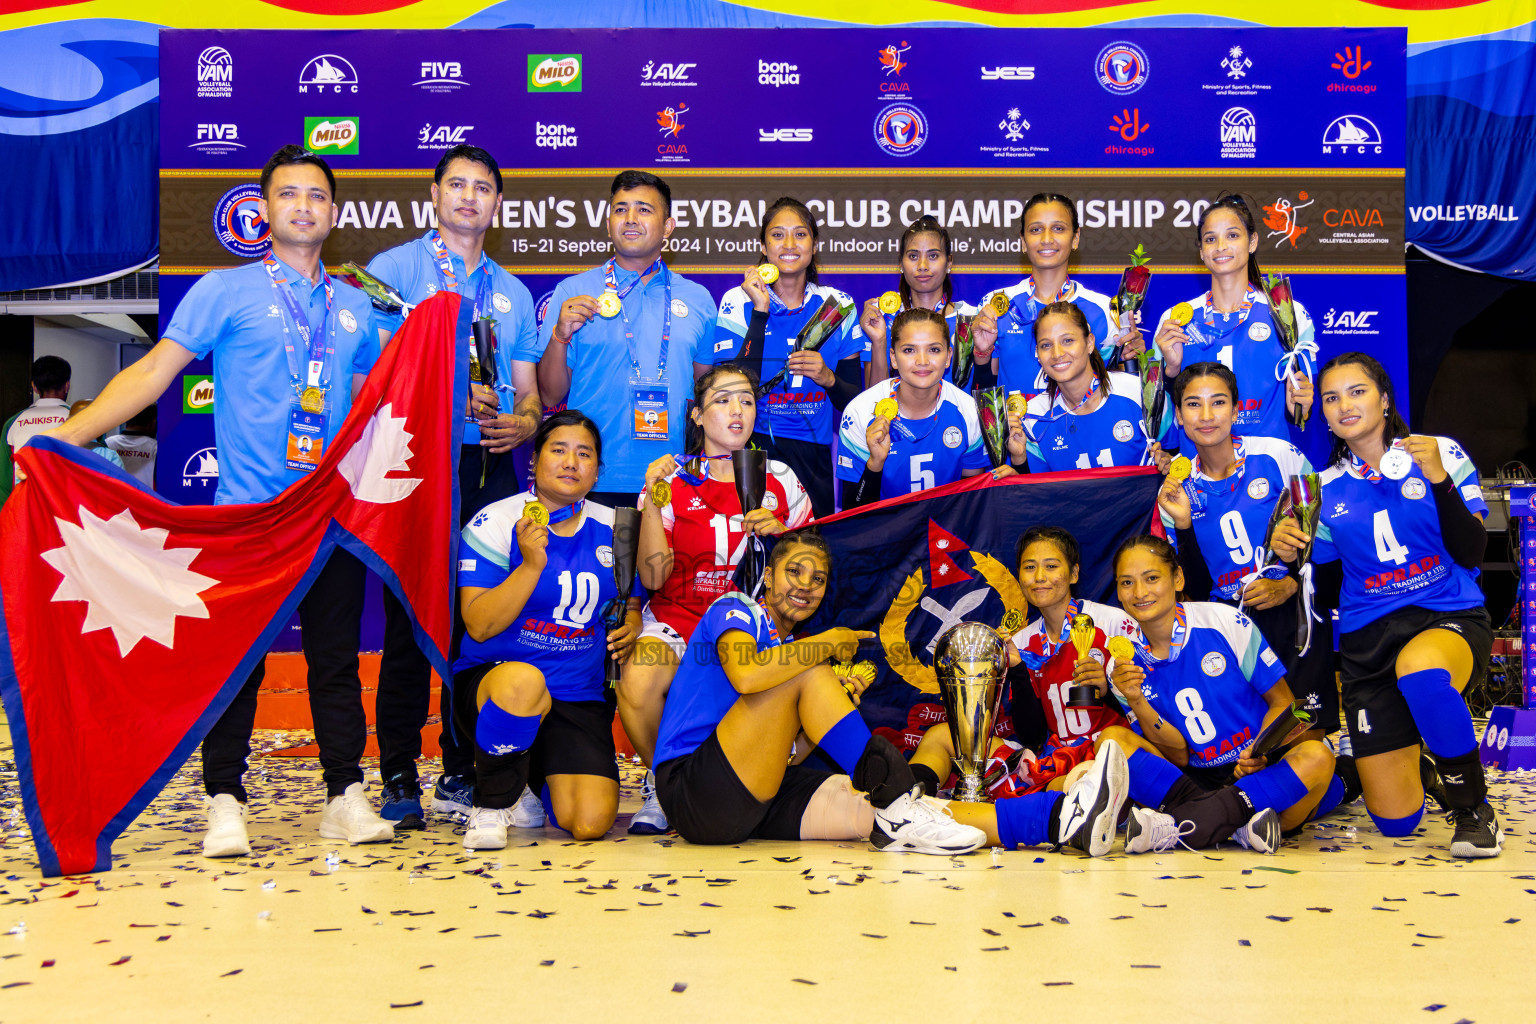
[747,690]
[535,574]
[1202,684]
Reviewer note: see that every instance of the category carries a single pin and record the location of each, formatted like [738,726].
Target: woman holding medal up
[926,283]
[1233,324]
[1004,326]
[913,433]
[759,321]
[692,536]
[535,575]
[1403,513]
[1087,417]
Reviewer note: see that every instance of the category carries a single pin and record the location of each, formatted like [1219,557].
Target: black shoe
[1344,768]
[1434,788]
[401,804]
[1477,832]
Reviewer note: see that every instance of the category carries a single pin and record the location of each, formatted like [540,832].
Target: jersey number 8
[1197,723]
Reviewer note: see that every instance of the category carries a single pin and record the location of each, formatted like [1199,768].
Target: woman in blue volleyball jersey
[1220,516]
[757,327]
[1233,324]
[1006,341]
[535,576]
[1087,417]
[926,283]
[1202,685]
[913,433]
[1403,513]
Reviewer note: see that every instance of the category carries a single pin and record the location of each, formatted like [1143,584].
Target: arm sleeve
[1460,531]
[1029,726]
[1197,575]
[865,492]
[751,351]
[849,382]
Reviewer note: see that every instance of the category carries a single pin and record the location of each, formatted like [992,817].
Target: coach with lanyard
[466,192]
[289,348]
[624,348]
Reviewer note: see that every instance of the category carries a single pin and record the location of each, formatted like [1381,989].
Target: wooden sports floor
[1340,925]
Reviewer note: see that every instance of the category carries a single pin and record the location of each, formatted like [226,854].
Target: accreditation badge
[648,403]
[306,439]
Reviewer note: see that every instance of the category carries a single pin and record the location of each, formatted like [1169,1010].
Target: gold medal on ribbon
[312,400]
[1018,405]
[1013,621]
[767,273]
[608,304]
[890,302]
[661,493]
[887,408]
[999,303]
[1179,469]
[537,513]
[1121,649]
[1181,314]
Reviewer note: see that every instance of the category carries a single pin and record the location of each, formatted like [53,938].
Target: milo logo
[196,393]
[331,135]
[554,72]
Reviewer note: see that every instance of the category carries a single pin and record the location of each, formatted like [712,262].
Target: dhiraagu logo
[554,72]
[196,393]
[331,136]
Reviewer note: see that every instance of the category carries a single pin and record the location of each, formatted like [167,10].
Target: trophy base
[969,790]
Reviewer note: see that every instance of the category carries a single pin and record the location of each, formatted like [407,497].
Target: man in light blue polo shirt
[633,370]
[466,192]
[268,326]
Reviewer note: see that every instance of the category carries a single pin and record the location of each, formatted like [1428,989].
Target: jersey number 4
[1387,547]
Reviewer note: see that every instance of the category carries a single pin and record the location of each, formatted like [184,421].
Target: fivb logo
[777,73]
[217,139]
[441,76]
[328,73]
[784,134]
[215,74]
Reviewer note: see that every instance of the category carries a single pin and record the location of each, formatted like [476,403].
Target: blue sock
[549,810]
[499,731]
[1331,798]
[1276,787]
[1439,711]
[1025,820]
[1396,828]
[845,741]
[1151,778]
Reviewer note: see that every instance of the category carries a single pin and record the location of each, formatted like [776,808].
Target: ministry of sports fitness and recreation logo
[1282,217]
[1122,68]
[441,76]
[901,129]
[1236,63]
[237,221]
[669,73]
[554,72]
[215,74]
[328,74]
[1013,126]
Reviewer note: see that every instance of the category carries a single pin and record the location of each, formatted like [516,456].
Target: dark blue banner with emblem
[911,567]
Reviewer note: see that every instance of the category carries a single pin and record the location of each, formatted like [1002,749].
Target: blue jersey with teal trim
[1110,435]
[1017,368]
[701,693]
[1249,346]
[1230,516]
[1387,532]
[1212,689]
[560,630]
[928,452]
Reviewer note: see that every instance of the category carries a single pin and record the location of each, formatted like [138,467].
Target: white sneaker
[650,819]
[913,825]
[1147,831]
[1091,811]
[488,828]
[528,812]
[351,817]
[1261,834]
[226,836]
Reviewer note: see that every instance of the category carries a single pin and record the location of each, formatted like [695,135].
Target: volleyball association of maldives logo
[901,129]
[1122,68]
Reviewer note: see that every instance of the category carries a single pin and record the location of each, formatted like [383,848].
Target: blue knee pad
[1439,711]
[1025,820]
[1151,778]
[1396,828]
[1331,799]
[844,743]
[499,731]
[1277,787]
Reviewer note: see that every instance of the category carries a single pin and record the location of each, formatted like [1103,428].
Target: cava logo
[328,74]
[666,74]
[217,139]
[1007,74]
[784,134]
[777,73]
[443,135]
[215,74]
[196,393]
[331,136]
[1283,220]
[440,76]
[554,72]
[1239,134]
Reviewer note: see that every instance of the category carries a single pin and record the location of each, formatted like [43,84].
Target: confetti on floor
[278,928]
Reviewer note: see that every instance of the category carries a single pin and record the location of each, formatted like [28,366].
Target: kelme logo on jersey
[328,74]
[196,393]
[1351,135]
[215,74]
[554,72]
[1122,68]
[901,129]
[331,136]
[237,221]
